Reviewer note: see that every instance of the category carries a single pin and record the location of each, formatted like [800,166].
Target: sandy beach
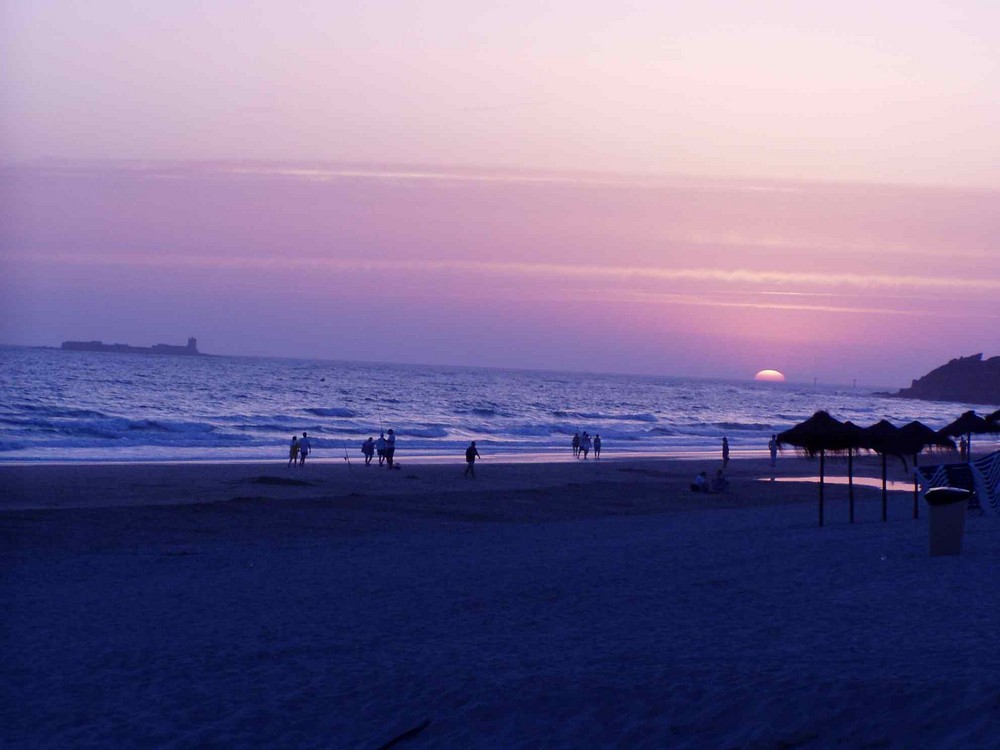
[571,604]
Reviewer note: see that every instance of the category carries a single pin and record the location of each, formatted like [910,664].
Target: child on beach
[293,451]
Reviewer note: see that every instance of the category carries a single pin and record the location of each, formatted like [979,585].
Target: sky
[701,189]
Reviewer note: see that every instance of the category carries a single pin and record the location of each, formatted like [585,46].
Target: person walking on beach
[380,448]
[725,452]
[772,445]
[471,454]
[293,452]
[597,445]
[368,450]
[390,449]
[305,448]
[585,444]
[576,445]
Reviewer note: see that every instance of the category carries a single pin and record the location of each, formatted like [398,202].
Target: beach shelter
[969,424]
[816,436]
[994,420]
[914,437]
[883,438]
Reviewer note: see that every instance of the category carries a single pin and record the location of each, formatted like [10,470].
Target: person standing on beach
[380,448]
[471,454]
[585,445]
[725,452]
[772,445]
[576,445]
[293,452]
[390,449]
[368,449]
[305,448]
[597,445]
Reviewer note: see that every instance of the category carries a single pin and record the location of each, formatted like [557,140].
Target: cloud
[744,278]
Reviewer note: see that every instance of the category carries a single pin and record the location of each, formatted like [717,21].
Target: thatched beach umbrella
[883,438]
[913,438]
[817,435]
[968,424]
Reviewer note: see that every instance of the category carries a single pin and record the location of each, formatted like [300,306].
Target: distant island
[191,350]
[970,379]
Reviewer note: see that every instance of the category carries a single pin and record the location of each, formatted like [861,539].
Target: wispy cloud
[770,281]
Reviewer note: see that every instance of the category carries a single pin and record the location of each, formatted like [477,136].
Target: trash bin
[948,508]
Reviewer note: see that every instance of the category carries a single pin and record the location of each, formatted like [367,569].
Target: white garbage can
[948,508]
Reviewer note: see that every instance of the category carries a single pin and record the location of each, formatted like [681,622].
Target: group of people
[718,483]
[384,447]
[298,450]
[583,444]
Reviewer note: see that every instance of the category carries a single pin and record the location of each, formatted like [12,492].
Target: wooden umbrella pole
[885,514]
[916,487]
[822,467]
[850,480]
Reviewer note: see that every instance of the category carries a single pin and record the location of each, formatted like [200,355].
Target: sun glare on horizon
[770,376]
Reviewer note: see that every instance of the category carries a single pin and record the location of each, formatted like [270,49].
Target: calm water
[68,406]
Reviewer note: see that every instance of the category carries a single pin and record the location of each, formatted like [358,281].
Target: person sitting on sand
[720,483]
[380,448]
[368,450]
[305,448]
[597,446]
[293,452]
[471,454]
[700,483]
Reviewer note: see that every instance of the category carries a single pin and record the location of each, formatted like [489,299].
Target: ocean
[61,406]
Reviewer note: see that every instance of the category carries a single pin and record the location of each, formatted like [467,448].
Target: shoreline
[642,481]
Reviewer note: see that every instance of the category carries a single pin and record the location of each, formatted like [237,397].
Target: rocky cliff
[968,379]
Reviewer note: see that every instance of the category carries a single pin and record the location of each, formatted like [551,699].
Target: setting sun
[770,376]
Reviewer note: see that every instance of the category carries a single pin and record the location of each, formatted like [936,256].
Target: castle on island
[97,346]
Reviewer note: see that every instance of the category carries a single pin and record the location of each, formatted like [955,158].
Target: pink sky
[705,190]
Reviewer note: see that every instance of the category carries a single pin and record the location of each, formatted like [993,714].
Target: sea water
[98,406]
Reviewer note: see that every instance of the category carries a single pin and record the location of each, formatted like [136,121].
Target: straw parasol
[914,437]
[968,424]
[883,438]
[817,435]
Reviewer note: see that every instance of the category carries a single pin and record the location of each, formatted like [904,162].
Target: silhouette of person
[725,452]
[380,448]
[597,446]
[293,452]
[576,445]
[963,449]
[305,448]
[471,454]
[368,449]
[700,483]
[772,446]
[585,444]
[390,449]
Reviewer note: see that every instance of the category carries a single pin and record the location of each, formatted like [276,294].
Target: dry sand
[572,604]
